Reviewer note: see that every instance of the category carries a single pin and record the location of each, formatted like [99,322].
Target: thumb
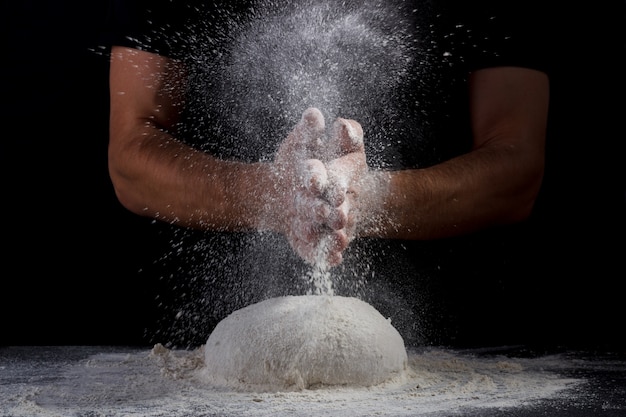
[347,137]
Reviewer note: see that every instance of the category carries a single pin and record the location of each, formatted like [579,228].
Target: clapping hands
[321,172]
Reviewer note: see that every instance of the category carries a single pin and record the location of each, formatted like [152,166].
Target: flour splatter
[252,76]
[349,59]
[80,381]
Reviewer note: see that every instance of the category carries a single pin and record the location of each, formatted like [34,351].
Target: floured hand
[319,198]
[345,170]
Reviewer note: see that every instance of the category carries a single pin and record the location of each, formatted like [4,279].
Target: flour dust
[135,382]
[253,74]
[348,59]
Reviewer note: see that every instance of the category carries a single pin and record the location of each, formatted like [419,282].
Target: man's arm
[496,183]
[156,175]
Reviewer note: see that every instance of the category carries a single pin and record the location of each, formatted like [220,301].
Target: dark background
[72,256]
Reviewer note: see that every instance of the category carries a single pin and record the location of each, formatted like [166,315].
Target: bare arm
[496,183]
[156,175]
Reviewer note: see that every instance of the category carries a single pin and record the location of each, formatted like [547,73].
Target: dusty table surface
[86,381]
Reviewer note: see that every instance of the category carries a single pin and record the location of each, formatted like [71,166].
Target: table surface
[86,381]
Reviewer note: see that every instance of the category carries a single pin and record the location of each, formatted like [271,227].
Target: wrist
[373,217]
[269,191]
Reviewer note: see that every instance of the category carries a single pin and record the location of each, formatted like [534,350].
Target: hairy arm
[496,183]
[156,175]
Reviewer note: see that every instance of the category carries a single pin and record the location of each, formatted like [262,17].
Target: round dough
[298,342]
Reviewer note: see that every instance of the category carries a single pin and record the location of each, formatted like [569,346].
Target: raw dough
[298,342]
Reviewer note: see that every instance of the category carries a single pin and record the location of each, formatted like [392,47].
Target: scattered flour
[298,342]
[95,381]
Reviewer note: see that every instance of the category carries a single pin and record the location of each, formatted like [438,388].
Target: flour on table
[53,381]
[299,342]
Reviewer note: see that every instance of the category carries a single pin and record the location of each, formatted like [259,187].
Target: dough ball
[299,342]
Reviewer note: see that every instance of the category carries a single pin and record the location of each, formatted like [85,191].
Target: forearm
[158,176]
[495,183]
[465,194]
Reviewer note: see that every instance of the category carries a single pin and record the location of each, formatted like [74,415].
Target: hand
[301,180]
[346,168]
[318,198]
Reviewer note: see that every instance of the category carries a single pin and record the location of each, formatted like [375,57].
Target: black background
[71,255]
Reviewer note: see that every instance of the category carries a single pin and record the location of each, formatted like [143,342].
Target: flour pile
[298,342]
[348,59]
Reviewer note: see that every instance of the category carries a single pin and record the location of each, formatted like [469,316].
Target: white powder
[121,382]
[298,342]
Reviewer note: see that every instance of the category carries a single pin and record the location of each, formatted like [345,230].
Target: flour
[64,381]
[251,76]
[348,59]
[298,342]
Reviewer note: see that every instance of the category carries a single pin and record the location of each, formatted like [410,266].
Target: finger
[338,241]
[337,217]
[336,187]
[313,119]
[348,136]
[334,259]
[311,209]
[342,174]
[311,129]
[305,138]
[308,233]
[336,245]
[305,250]
[309,247]
[315,176]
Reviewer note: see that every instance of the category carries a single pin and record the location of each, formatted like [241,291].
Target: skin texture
[319,193]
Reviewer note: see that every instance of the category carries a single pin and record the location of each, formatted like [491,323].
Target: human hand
[301,181]
[319,198]
[346,168]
